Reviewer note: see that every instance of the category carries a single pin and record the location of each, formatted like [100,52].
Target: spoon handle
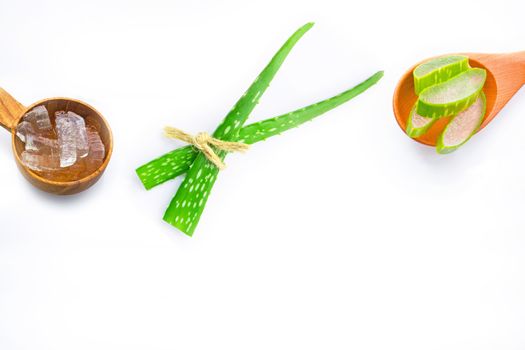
[10,110]
[519,57]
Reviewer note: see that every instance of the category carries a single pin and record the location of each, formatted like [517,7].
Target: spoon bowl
[505,76]
[11,114]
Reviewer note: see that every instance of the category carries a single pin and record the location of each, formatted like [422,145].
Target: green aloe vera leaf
[262,130]
[418,125]
[187,205]
[453,96]
[177,162]
[167,166]
[438,70]
[462,127]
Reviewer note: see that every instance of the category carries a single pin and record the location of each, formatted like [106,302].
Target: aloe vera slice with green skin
[453,96]
[186,207]
[177,162]
[462,127]
[438,70]
[418,125]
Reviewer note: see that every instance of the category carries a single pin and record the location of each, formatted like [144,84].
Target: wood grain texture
[11,112]
[505,76]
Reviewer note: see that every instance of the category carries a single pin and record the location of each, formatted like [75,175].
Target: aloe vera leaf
[438,70]
[166,167]
[418,125]
[462,127]
[262,130]
[453,96]
[177,162]
[187,205]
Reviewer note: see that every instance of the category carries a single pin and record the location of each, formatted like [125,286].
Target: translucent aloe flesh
[186,207]
[418,125]
[177,162]
[452,96]
[462,127]
[438,70]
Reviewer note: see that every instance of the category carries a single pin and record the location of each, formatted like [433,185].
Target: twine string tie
[203,142]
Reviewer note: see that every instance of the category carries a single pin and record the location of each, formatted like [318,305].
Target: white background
[342,234]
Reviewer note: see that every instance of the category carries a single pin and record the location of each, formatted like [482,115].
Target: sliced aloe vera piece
[453,96]
[438,70]
[462,127]
[418,125]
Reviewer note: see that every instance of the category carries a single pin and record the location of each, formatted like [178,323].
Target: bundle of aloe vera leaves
[186,208]
[448,87]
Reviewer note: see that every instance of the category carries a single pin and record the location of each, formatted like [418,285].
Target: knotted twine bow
[202,142]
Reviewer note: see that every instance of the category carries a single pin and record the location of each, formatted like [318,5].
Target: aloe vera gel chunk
[452,96]
[438,70]
[462,127]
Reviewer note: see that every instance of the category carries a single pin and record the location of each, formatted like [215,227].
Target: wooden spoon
[505,76]
[11,113]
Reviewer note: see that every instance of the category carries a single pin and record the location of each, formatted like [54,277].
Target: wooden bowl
[11,113]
